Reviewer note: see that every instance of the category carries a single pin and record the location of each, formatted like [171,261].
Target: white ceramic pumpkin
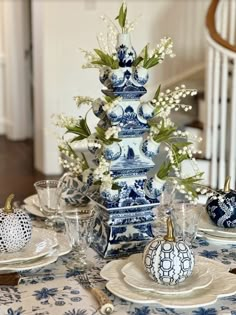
[15,228]
[167,261]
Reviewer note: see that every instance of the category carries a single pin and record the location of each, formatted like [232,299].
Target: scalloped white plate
[32,200]
[217,238]
[206,225]
[223,284]
[41,244]
[136,277]
[63,248]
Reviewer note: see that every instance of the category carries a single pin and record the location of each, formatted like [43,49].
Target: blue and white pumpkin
[221,207]
[167,261]
[15,228]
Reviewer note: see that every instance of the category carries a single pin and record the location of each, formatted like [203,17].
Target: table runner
[62,295]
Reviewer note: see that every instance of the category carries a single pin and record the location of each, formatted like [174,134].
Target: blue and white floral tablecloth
[61,294]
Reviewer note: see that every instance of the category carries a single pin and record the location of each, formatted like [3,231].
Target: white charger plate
[31,205]
[136,277]
[223,284]
[206,225]
[41,243]
[63,248]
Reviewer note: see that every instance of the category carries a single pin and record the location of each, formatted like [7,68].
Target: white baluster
[218,17]
[232,25]
[232,163]
[224,21]
[214,168]
[209,81]
[223,117]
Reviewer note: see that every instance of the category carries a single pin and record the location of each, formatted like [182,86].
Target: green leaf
[115,186]
[137,61]
[157,92]
[145,54]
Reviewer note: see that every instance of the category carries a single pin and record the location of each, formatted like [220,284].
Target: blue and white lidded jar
[167,261]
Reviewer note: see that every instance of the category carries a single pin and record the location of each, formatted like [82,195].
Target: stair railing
[220,130]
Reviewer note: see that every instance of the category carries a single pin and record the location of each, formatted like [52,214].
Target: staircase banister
[211,26]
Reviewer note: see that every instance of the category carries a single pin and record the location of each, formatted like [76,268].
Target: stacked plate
[128,280]
[44,248]
[31,204]
[214,233]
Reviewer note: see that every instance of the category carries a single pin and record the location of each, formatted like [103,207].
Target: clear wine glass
[185,217]
[49,195]
[79,222]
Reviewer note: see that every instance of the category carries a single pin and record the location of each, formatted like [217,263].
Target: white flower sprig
[70,161]
[112,132]
[79,100]
[171,100]
[63,121]
[149,58]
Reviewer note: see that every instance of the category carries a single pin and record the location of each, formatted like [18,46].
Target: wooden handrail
[211,26]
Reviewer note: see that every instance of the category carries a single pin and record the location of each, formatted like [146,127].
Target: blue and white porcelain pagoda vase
[123,225]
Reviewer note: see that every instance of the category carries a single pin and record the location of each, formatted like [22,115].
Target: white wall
[61,27]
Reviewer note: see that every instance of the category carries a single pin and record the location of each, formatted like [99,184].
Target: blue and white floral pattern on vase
[104,76]
[140,76]
[145,112]
[97,107]
[154,187]
[76,189]
[115,114]
[150,148]
[117,77]
[112,152]
[109,195]
[125,52]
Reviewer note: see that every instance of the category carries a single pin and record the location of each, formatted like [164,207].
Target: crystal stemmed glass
[79,222]
[185,217]
[49,195]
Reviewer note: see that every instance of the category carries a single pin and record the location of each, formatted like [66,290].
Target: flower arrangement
[177,144]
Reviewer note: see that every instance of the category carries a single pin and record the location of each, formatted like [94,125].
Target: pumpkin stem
[170,231]
[8,207]
[227,184]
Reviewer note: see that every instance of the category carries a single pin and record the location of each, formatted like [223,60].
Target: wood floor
[17,173]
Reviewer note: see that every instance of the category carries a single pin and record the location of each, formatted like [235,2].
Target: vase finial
[170,231]
[227,184]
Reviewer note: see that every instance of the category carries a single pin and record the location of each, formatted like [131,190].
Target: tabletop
[59,292]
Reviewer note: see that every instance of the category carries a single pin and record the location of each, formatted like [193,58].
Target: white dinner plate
[32,200]
[217,238]
[206,225]
[41,243]
[63,248]
[34,210]
[223,284]
[136,277]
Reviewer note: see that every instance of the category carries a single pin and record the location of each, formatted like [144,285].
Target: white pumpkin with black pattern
[15,228]
[167,261]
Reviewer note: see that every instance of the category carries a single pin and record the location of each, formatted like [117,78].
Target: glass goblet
[79,222]
[49,195]
[185,217]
